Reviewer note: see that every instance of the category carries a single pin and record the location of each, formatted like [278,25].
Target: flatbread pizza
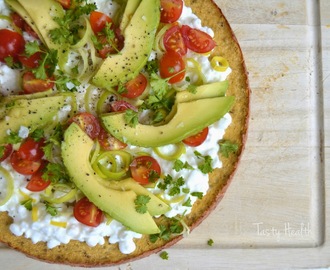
[122,123]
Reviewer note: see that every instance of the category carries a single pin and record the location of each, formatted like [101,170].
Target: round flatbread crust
[80,254]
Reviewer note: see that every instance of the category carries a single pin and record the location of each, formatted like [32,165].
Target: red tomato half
[88,123]
[170,64]
[12,44]
[31,61]
[37,183]
[121,105]
[31,150]
[145,169]
[23,166]
[170,10]
[87,213]
[135,87]
[197,139]
[196,40]
[33,85]
[7,149]
[98,21]
[17,20]
[65,3]
[108,142]
[173,40]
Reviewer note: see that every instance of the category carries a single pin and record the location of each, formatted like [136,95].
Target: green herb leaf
[210,242]
[205,166]
[55,173]
[27,204]
[187,203]
[151,67]
[131,117]
[164,255]
[227,147]
[179,165]
[51,209]
[13,138]
[141,203]
[37,134]
[32,48]
[197,194]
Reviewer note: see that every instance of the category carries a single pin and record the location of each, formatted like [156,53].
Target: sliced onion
[10,185]
[219,63]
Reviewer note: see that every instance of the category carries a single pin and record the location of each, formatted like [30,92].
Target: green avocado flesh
[190,118]
[130,9]
[115,198]
[139,37]
[32,113]
[40,14]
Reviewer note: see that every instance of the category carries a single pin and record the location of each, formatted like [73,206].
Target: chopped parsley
[179,165]
[27,204]
[197,194]
[174,185]
[13,138]
[55,173]
[210,242]
[131,117]
[205,166]
[187,203]
[141,203]
[174,227]
[227,147]
[164,255]
[51,209]
[151,67]
[37,134]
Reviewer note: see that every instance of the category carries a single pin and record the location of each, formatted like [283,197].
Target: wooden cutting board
[274,213]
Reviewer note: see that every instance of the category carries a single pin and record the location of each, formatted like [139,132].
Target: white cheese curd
[10,80]
[64,227]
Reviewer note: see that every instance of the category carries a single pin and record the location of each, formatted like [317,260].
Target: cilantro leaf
[164,255]
[37,134]
[55,173]
[210,242]
[131,117]
[197,194]
[141,203]
[151,66]
[51,209]
[27,204]
[227,147]
[179,165]
[187,203]
[32,48]
[13,138]
[205,166]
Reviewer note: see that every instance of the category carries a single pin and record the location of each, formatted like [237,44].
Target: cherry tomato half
[197,139]
[31,150]
[17,20]
[87,213]
[30,61]
[37,183]
[121,105]
[173,40]
[65,3]
[12,44]
[88,123]
[99,20]
[196,40]
[135,87]
[33,85]
[5,151]
[170,10]
[108,142]
[23,166]
[145,169]
[172,63]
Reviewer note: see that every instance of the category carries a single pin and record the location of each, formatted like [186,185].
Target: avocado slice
[130,9]
[42,13]
[216,89]
[139,36]
[155,206]
[118,203]
[32,113]
[190,118]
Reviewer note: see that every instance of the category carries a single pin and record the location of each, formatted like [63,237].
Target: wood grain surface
[275,214]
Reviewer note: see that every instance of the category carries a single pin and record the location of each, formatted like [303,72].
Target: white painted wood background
[273,215]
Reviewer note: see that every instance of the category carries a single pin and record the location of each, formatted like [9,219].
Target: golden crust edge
[109,255]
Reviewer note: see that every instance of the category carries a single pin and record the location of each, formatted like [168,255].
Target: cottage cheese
[43,229]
